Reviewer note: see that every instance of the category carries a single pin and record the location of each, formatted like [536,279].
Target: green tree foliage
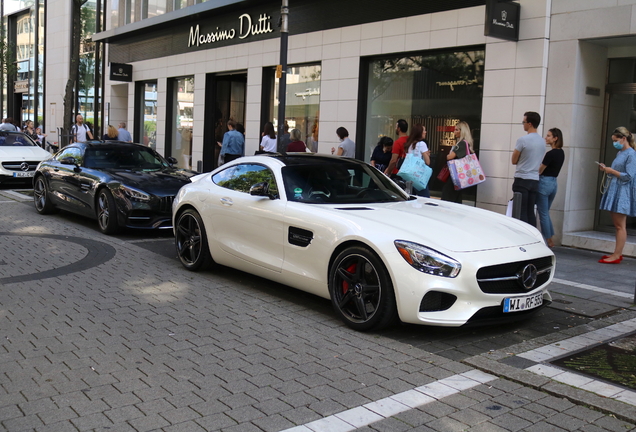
[245,181]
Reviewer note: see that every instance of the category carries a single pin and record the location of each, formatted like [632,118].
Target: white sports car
[19,156]
[340,229]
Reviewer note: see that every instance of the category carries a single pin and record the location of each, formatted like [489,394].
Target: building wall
[58,24]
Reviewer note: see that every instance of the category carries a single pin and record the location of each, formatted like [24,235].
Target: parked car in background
[19,156]
[119,184]
[340,229]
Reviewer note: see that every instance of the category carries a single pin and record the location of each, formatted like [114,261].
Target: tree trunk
[69,99]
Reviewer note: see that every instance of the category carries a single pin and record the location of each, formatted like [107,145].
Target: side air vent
[299,237]
[354,208]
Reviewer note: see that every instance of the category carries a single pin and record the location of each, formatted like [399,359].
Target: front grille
[165,204]
[436,301]
[17,165]
[509,282]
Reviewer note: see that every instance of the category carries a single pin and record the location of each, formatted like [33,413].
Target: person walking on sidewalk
[397,151]
[548,173]
[527,157]
[619,190]
[463,146]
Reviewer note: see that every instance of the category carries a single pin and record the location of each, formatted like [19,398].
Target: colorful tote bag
[466,172]
[415,170]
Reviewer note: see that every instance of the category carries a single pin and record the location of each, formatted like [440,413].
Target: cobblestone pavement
[100,333]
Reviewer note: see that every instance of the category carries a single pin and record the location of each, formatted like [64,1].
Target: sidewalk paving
[99,333]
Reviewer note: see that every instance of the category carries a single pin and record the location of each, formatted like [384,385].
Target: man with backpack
[80,132]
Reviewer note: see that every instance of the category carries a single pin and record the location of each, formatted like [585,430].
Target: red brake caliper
[345,285]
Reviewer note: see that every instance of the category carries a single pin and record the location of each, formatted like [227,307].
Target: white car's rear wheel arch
[190,239]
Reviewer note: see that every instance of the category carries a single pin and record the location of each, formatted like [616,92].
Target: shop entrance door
[620,103]
[224,100]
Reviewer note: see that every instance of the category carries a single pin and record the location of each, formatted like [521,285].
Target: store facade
[365,68]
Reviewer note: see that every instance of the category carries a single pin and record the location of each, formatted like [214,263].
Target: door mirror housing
[261,189]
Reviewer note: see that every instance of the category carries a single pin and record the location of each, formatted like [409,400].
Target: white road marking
[593,288]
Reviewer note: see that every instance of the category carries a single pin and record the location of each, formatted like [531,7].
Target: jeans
[528,190]
[545,196]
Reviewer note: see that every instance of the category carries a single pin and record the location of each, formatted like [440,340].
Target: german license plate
[24,174]
[516,304]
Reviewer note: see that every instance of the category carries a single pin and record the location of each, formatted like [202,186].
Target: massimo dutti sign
[121,72]
[244,28]
[502,20]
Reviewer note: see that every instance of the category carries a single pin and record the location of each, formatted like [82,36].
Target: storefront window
[86,96]
[435,90]
[302,107]
[148,113]
[182,120]
[25,61]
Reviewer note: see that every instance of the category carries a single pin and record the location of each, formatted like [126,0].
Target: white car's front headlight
[135,193]
[428,260]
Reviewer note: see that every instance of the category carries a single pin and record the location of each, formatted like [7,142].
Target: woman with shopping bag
[463,146]
[416,172]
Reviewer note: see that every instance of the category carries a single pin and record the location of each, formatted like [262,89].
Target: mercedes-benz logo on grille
[528,276]
[24,166]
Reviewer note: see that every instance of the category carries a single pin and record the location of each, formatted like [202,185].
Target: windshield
[129,157]
[339,182]
[15,139]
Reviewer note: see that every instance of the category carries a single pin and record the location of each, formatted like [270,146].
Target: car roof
[310,158]
[99,143]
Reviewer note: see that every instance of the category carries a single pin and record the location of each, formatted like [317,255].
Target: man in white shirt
[527,157]
[80,131]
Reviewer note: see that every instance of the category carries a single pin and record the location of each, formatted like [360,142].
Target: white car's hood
[456,228]
[25,153]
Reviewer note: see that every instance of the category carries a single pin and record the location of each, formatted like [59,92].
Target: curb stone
[491,363]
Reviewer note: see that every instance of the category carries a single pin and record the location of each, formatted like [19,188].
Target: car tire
[41,198]
[361,290]
[106,212]
[191,241]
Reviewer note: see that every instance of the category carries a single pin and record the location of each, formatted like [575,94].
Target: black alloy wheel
[107,212]
[361,290]
[191,241]
[41,199]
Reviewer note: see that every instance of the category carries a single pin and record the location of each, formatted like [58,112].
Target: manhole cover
[614,362]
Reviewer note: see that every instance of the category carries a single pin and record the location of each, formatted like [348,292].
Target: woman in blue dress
[619,197]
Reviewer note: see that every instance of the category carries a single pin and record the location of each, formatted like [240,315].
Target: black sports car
[119,184]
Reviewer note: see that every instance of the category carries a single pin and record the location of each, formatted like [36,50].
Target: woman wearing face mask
[549,170]
[619,197]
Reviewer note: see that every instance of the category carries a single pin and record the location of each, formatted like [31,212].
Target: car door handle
[226,201]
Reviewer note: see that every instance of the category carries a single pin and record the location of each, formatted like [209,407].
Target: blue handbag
[415,170]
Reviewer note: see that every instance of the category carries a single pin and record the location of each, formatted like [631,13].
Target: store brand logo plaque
[502,20]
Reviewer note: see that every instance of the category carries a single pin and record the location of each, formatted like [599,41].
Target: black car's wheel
[191,241]
[43,203]
[361,290]
[107,212]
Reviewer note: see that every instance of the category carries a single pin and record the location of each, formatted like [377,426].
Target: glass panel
[182,109]
[40,60]
[25,58]
[302,107]
[86,96]
[149,115]
[621,112]
[436,91]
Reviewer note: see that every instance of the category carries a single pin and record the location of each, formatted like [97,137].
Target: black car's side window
[242,177]
[73,152]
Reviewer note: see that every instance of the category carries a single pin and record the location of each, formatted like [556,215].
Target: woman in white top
[268,143]
[415,145]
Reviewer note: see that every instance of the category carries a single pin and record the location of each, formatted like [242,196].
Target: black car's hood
[161,183]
